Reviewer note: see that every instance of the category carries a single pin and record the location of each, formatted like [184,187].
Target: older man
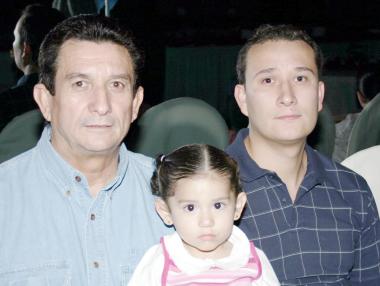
[77,209]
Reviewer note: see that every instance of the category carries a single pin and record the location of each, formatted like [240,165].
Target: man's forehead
[79,44]
[265,54]
[74,51]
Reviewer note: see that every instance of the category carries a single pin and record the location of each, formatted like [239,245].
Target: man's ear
[321,95]
[136,103]
[26,51]
[44,100]
[163,210]
[362,100]
[240,203]
[241,98]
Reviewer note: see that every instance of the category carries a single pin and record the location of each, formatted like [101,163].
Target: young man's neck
[288,161]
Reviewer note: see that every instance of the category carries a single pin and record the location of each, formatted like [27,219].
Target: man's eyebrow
[305,69]
[126,76]
[264,71]
[75,75]
[82,75]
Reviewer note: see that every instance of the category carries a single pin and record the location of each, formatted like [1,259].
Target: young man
[77,209]
[316,220]
[34,23]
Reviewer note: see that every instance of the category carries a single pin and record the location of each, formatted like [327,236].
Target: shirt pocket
[51,273]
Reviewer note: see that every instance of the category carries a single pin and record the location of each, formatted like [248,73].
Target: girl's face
[203,209]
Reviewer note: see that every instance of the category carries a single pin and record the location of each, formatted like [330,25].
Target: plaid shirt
[330,235]
[17,100]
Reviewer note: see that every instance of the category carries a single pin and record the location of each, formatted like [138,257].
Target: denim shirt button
[96,264]
[78,178]
[92,216]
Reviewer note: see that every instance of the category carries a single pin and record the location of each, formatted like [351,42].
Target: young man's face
[282,94]
[93,105]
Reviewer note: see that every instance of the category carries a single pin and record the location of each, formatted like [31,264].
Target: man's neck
[99,170]
[288,161]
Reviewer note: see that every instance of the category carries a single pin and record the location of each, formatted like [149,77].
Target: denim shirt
[52,232]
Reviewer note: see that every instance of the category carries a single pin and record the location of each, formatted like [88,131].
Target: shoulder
[336,174]
[140,161]
[149,269]
[17,164]
[349,185]
[268,276]
[139,166]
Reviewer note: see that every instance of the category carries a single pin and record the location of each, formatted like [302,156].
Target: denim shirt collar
[66,175]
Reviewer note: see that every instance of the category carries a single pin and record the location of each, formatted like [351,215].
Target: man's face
[17,46]
[282,94]
[93,105]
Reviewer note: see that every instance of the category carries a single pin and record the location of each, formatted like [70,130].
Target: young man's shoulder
[337,173]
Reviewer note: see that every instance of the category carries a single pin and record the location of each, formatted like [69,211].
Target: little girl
[200,194]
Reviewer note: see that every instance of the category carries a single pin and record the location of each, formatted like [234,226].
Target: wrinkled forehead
[81,54]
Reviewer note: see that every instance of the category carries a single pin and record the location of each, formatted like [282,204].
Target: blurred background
[191,45]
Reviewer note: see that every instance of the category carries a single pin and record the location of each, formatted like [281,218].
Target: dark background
[199,22]
[159,24]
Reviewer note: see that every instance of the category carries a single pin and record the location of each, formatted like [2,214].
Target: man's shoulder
[17,163]
[19,171]
[351,186]
[140,162]
[335,172]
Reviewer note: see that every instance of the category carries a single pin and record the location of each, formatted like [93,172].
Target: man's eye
[300,78]
[189,208]
[117,84]
[267,80]
[79,83]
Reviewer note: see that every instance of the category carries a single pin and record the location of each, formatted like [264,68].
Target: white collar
[238,257]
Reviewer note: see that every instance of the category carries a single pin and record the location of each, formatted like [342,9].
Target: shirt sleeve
[366,270]
[268,276]
[149,269]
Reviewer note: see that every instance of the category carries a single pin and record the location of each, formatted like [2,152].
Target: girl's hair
[191,160]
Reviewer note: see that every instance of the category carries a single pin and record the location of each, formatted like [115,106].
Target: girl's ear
[163,210]
[240,203]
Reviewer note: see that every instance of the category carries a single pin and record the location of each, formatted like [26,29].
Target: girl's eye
[218,206]
[189,208]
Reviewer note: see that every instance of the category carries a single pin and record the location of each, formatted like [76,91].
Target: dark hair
[35,22]
[266,33]
[369,85]
[191,160]
[94,28]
